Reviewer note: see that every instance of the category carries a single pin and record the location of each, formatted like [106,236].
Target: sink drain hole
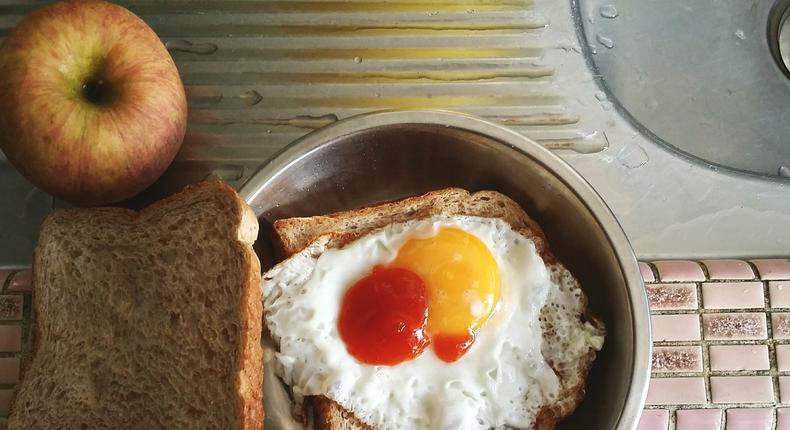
[779,35]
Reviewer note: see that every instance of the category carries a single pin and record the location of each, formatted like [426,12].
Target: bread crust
[291,235]
[249,376]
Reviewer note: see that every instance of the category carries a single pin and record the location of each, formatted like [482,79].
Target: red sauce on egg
[383,317]
[450,348]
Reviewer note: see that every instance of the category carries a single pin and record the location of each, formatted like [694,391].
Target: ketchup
[450,348]
[383,317]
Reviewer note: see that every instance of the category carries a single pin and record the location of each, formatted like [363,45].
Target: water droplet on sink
[593,49]
[740,34]
[192,48]
[609,11]
[632,156]
[784,171]
[605,41]
[600,95]
[251,97]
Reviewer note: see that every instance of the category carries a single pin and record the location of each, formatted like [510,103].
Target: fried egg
[431,323]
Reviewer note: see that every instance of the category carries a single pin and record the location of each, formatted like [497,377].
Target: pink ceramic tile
[677,359]
[739,357]
[5,401]
[672,296]
[784,389]
[741,389]
[679,271]
[783,358]
[749,419]
[654,419]
[783,419]
[733,295]
[647,272]
[734,326]
[9,370]
[779,292]
[11,307]
[773,269]
[10,338]
[676,391]
[675,327]
[780,323]
[728,269]
[698,419]
[21,281]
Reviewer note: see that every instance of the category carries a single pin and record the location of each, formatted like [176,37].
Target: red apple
[92,108]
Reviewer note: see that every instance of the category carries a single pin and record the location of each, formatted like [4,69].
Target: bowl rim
[637,296]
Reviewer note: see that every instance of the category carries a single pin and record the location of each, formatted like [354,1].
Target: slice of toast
[294,234]
[147,319]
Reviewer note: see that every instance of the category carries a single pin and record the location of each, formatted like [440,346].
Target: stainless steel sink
[706,77]
[695,97]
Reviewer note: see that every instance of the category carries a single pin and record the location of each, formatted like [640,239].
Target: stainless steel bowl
[382,156]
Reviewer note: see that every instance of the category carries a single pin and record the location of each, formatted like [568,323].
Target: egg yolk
[462,281]
[383,317]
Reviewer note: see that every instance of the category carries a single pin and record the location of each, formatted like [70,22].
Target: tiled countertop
[721,331]
[721,336]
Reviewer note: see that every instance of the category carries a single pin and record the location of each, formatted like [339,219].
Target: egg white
[502,380]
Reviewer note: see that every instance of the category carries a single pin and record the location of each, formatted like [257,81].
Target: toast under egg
[294,234]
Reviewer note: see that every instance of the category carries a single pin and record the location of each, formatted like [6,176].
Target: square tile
[733,295]
[677,359]
[783,358]
[672,296]
[5,401]
[10,338]
[741,389]
[723,326]
[11,307]
[749,419]
[780,323]
[676,391]
[773,269]
[654,419]
[784,389]
[739,357]
[9,370]
[783,419]
[698,419]
[779,294]
[675,327]
[679,271]
[728,269]
[22,281]
[647,273]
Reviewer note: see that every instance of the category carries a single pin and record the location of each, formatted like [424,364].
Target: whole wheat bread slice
[146,320]
[294,234]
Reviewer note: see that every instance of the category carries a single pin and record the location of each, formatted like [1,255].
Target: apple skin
[92,108]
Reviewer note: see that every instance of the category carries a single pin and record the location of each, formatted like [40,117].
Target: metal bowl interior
[384,156]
